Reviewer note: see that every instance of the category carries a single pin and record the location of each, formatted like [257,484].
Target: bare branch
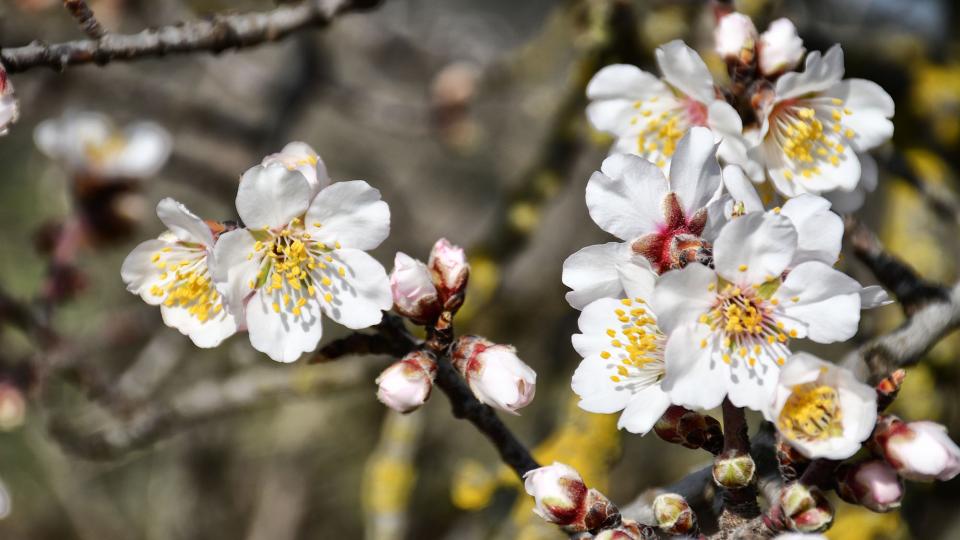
[220,33]
[85,18]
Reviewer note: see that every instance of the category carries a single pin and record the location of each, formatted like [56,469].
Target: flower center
[186,283]
[102,151]
[663,123]
[636,345]
[746,323]
[811,134]
[812,412]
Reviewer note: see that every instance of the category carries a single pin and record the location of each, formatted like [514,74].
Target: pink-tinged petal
[204,334]
[592,273]
[624,198]
[871,108]
[644,409]
[741,189]
[819,231]
[614,90]
[695,378]
[754,248]
[683,69]
[819,74]
[183,223]
[233,269]
[681,296]
[271,196]
[826,300]
[281,335]
[350,213]
[361,293]
[694,170]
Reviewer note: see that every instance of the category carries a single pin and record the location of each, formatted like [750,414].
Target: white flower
[558,490]
[495,374]
[658,219]
[728,330]
[89,143]
[821,409]
[406,385]
[299,156]
[298,257]
[622,350]
[919,451]
[781,49]
[9,107]
[649,116]
[174,272]
[735,33]
[816,123]
[414,294]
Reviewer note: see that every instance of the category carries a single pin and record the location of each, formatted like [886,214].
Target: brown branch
[85,18]
[220,33]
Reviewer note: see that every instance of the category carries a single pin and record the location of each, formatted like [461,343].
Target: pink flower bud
[735,37]
[559,493]
[872,484]
[406,385]
[781,49]
[414,295]
[805,508]
[495,373]
[448,265]
[920,451]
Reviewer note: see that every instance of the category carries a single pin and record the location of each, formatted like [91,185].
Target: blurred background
[468,116]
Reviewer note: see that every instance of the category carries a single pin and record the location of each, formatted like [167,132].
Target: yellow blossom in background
[935,95]
[858,523]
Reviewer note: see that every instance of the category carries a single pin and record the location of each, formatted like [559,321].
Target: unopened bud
[448,265]
[735,38]
[805,508]
[872,484]
[13,407]
[781,49]
[414,295]
[919,451]
[495,374]
[733,471]
[560,495]
[406,385]
[674,516]
[690,429]
[627,530]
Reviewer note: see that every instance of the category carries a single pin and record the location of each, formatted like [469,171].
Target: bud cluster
[494,373]
[422,291]
[406,384]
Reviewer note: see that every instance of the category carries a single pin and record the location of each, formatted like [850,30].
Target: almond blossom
[649,116]
[659,220]
[9,107]
[780,48]
[494,373]
[300,156]
[300,255]
[174,272]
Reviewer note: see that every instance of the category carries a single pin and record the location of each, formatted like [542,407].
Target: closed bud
[690,429]
[735,38]
[627,530]
[562,498]
[872,484]
[674,516]
[919,451]
[781,49]
[406,385]
[733,471]
[448,265]
[805,509]
[494,373]
[414,294]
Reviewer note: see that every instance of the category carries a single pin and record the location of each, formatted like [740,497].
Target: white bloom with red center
[300,156]
[649,116]
[174,271]
[919,451]
[780,49]
[816,123]
[301,255]
[622,350]
[734,34]
[9,107]
[659,220]
[821,409]
[729,329]
[90,143]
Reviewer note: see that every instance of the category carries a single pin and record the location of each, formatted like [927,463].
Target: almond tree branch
[220,33]
[85,18]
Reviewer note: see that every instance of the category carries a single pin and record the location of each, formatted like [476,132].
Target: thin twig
[85,18]
[220,33]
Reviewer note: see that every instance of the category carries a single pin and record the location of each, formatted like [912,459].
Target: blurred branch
[85,18]
[940,199]
[220,33]
[26,318]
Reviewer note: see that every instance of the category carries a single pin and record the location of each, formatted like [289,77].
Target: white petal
[614,90]
[271,196]
[282,336]
[871,107]
[183,223]
[694,378]
[681,296]
[350,213]
[233,269]
[683,69]
[694,169]
[753,386]
[819,231]
[302,157]
[741,188]
[206,334]
[874,296]
[140,273]
[819,74]
[363,292]
[717,216]
[594,321]
[146,151]
[638,278]
[644,409]
[826,300]
[625,198]
[598,393]
[724,120]
[754,248]
[592,273]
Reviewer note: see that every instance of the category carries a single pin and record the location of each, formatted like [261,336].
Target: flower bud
[414,295]
[448,265]
[674,516]
[780,48]
[406,385]
[628,530]
[690,429]
[872,484]
[733,471]
[495,373]
[735,38]
[919,451]
[805,508]
[559,492]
